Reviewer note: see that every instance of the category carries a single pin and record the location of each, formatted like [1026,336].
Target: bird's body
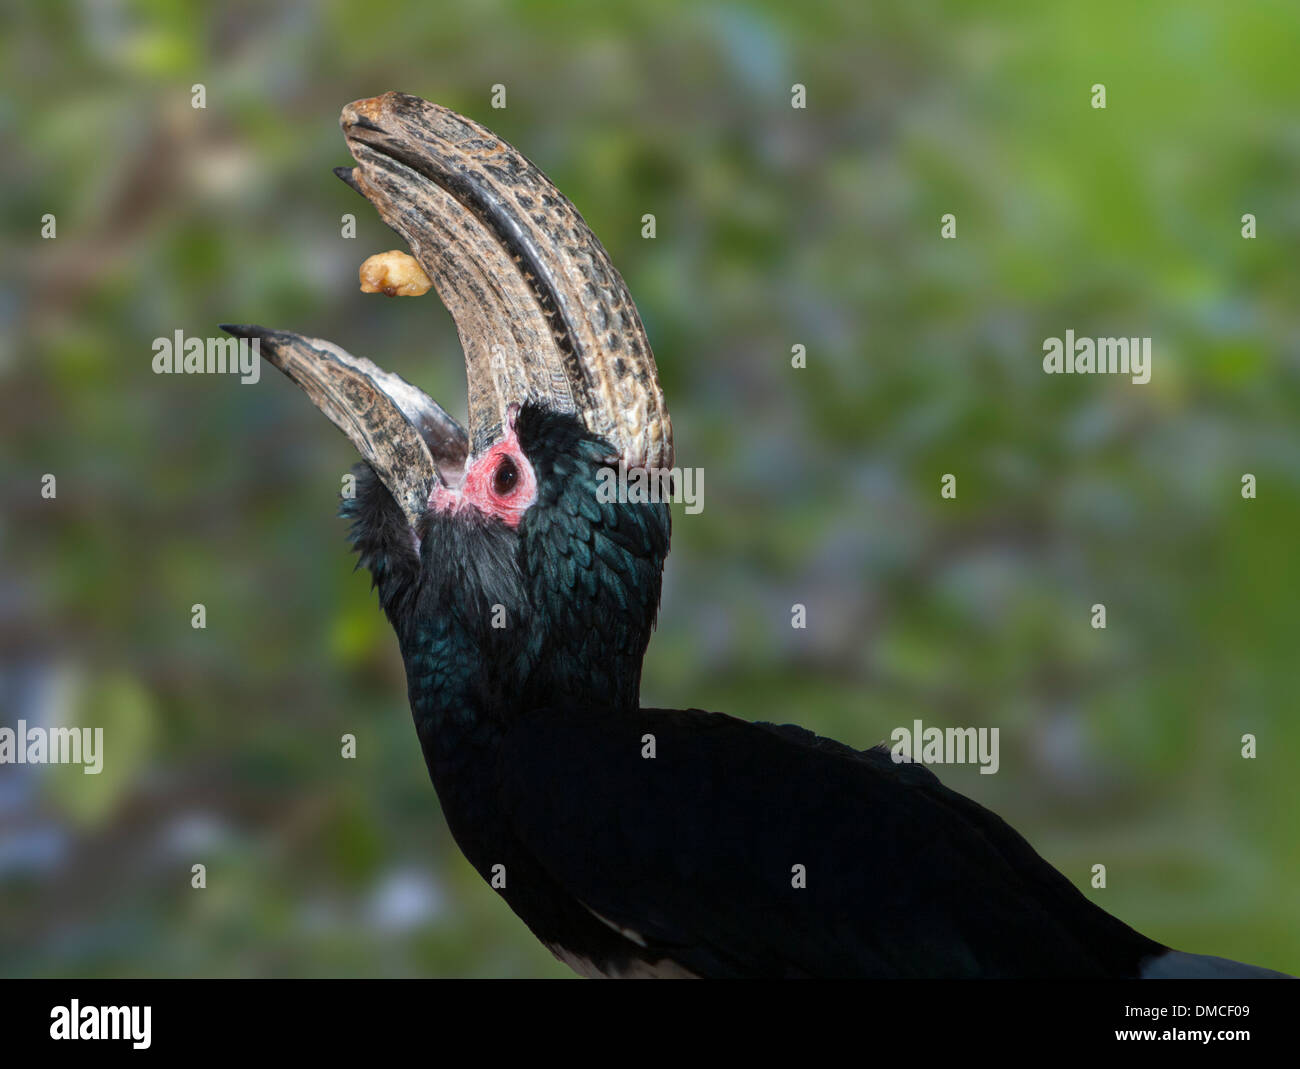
[645,842]
[632,841]
[751,850]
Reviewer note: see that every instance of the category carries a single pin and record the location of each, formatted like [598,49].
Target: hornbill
[632,841]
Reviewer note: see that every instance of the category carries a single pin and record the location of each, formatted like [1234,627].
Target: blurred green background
[776,227]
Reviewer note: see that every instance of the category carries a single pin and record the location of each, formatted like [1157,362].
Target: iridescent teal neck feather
[493,619]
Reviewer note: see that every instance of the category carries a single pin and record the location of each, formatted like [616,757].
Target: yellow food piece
[395,274]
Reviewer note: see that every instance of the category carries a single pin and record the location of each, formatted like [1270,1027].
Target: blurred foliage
[776,227]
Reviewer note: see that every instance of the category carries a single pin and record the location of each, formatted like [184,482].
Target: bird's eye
[505,478]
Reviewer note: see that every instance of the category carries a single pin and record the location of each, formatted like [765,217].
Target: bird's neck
[598,667]
[594,571]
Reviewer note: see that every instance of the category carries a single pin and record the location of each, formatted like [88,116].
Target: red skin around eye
[478,488]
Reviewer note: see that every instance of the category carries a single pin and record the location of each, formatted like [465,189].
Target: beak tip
[364,113]
[348,176]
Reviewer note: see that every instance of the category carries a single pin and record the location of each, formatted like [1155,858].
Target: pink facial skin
[500,483]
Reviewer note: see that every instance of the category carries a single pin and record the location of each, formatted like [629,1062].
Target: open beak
[542,314]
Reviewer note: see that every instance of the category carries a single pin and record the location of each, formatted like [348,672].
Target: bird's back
[741,849]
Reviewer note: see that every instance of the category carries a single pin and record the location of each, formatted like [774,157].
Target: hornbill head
[491,545]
